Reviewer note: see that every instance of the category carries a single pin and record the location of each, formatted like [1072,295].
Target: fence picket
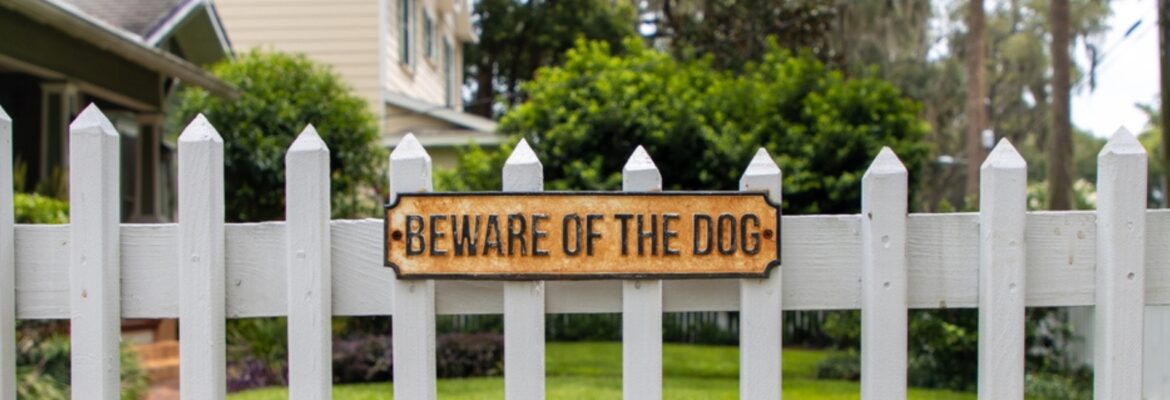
[94,261]
[761,318]
[201,262]
[523,301]
[310,293]
[1120,296]
[414,301]
[7,264]
[1002,206]
[641,303]
[884,198]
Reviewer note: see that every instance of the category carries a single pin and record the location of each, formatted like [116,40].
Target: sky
[1127,75]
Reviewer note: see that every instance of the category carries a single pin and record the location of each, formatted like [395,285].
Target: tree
[281,95]
[1018,95]
[1060,144]
[702,125]
[735,32]
[976,112]
[517,37]
[1153,139]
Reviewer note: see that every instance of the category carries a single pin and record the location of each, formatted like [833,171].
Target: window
[449,73]
[59,105]
[428,36]
[405,37]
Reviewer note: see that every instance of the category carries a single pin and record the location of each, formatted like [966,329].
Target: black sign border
[775,263]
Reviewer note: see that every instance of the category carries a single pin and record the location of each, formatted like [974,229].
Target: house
[128,57]
[405,57]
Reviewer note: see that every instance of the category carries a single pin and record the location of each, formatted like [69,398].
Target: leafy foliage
[281,95]
[1151,139]
[475,354]
[845,366]
[43,361]
[944,349]
[735,32]
[37,209]
[362,358]
[700,327]
[516,37]
[251,372]
[702,126]
[583,327]
[257,352]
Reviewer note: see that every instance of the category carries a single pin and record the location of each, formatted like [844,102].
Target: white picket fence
[96,271]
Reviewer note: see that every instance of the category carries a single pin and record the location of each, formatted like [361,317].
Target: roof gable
[140,17]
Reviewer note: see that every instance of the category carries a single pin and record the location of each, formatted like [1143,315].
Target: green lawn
[593,370]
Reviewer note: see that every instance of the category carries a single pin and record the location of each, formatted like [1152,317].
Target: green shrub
[1076,386]
[259,346]
[280,95]
[43,365]
[583,327]
[702,126]
[698,327]
[944,346]
[845,366]
[38,209]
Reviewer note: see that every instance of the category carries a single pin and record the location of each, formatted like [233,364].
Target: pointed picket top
[1122,143]
[639,161]
[1004,156]
[640,173]
[522,155]
[410,168]
[409,149]
[200,130]
[308,141]
[92,121]
[886,163]
[4,115]
[762,164]
[523,170]
[762,174]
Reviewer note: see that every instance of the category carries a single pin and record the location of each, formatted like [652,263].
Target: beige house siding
[423,78]
[342,33]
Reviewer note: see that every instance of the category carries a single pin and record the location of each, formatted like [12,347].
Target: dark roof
[140,17]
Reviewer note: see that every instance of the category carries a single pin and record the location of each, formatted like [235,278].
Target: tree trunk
[976,109]
[484,97]
[1164,47]
[1060,143]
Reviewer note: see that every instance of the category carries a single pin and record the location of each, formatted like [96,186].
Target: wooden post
[310,294]
[760,316]
[7,264]
[94,257]
[414,301]
[884,200]
[523,301]
[1002,204]
[1121,246]
[641,303]
[201,263]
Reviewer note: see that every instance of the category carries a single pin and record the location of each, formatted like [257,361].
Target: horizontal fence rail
[821,269]
[882,261]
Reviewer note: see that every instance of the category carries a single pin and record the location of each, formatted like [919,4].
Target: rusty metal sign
[582,235]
